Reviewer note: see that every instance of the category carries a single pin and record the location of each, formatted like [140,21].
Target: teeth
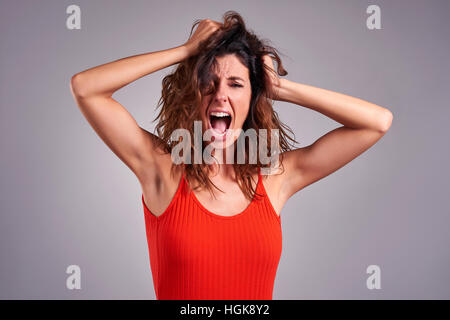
[219,114]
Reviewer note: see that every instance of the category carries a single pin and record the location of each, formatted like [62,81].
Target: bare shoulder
[151,157]
[285,172]
[276,177]
[158,181]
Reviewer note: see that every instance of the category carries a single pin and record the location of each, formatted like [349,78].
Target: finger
[216,23]
[268,61]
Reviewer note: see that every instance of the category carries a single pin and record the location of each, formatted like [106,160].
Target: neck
[220,155]
[222,166]
[224,171]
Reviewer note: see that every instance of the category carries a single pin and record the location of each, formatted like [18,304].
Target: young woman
[213,228]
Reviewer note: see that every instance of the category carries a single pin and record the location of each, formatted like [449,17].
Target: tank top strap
[259,190]
[183,182]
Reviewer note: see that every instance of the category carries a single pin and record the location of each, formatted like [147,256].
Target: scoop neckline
[215,215]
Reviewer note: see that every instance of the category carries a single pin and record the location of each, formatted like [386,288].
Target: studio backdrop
[377,228]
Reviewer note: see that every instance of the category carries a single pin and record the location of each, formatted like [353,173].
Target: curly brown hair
[182,93]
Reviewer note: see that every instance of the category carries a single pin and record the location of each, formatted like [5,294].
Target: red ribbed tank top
[196,254]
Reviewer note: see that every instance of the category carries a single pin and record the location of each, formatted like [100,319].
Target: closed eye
[236,85]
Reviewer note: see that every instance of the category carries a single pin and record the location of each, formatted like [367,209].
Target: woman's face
[232,97]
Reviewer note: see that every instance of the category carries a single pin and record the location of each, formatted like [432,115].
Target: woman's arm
[349,111]
[104,80]
[92,90]
[364,123]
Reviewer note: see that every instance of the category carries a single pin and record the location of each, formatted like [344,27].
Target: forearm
[105,79]
[349,111]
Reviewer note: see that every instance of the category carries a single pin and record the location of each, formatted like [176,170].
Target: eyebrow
[235,78]
[232,78]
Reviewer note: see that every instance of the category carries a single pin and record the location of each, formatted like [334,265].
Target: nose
[220,95]
[220,98]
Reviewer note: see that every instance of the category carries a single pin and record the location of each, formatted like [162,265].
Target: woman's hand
[204,30]
[275,81]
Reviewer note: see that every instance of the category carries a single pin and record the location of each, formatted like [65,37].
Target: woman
[213,228]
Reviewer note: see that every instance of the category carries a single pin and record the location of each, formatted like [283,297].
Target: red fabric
[197,254]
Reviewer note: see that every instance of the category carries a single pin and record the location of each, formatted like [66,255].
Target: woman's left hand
[275,81]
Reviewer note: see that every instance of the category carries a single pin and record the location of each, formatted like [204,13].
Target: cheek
[244,109]
[241,116]
[243,113]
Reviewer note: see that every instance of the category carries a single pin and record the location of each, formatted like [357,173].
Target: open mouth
[220,121]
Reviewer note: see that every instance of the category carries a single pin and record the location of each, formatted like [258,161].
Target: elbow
[76,86]
[386,121]
[81,86]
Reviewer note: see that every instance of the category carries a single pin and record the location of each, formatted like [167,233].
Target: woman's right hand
[204,30]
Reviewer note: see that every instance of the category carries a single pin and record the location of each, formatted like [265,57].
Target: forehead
[230,66]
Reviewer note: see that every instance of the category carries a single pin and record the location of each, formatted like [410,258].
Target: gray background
[67,199]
